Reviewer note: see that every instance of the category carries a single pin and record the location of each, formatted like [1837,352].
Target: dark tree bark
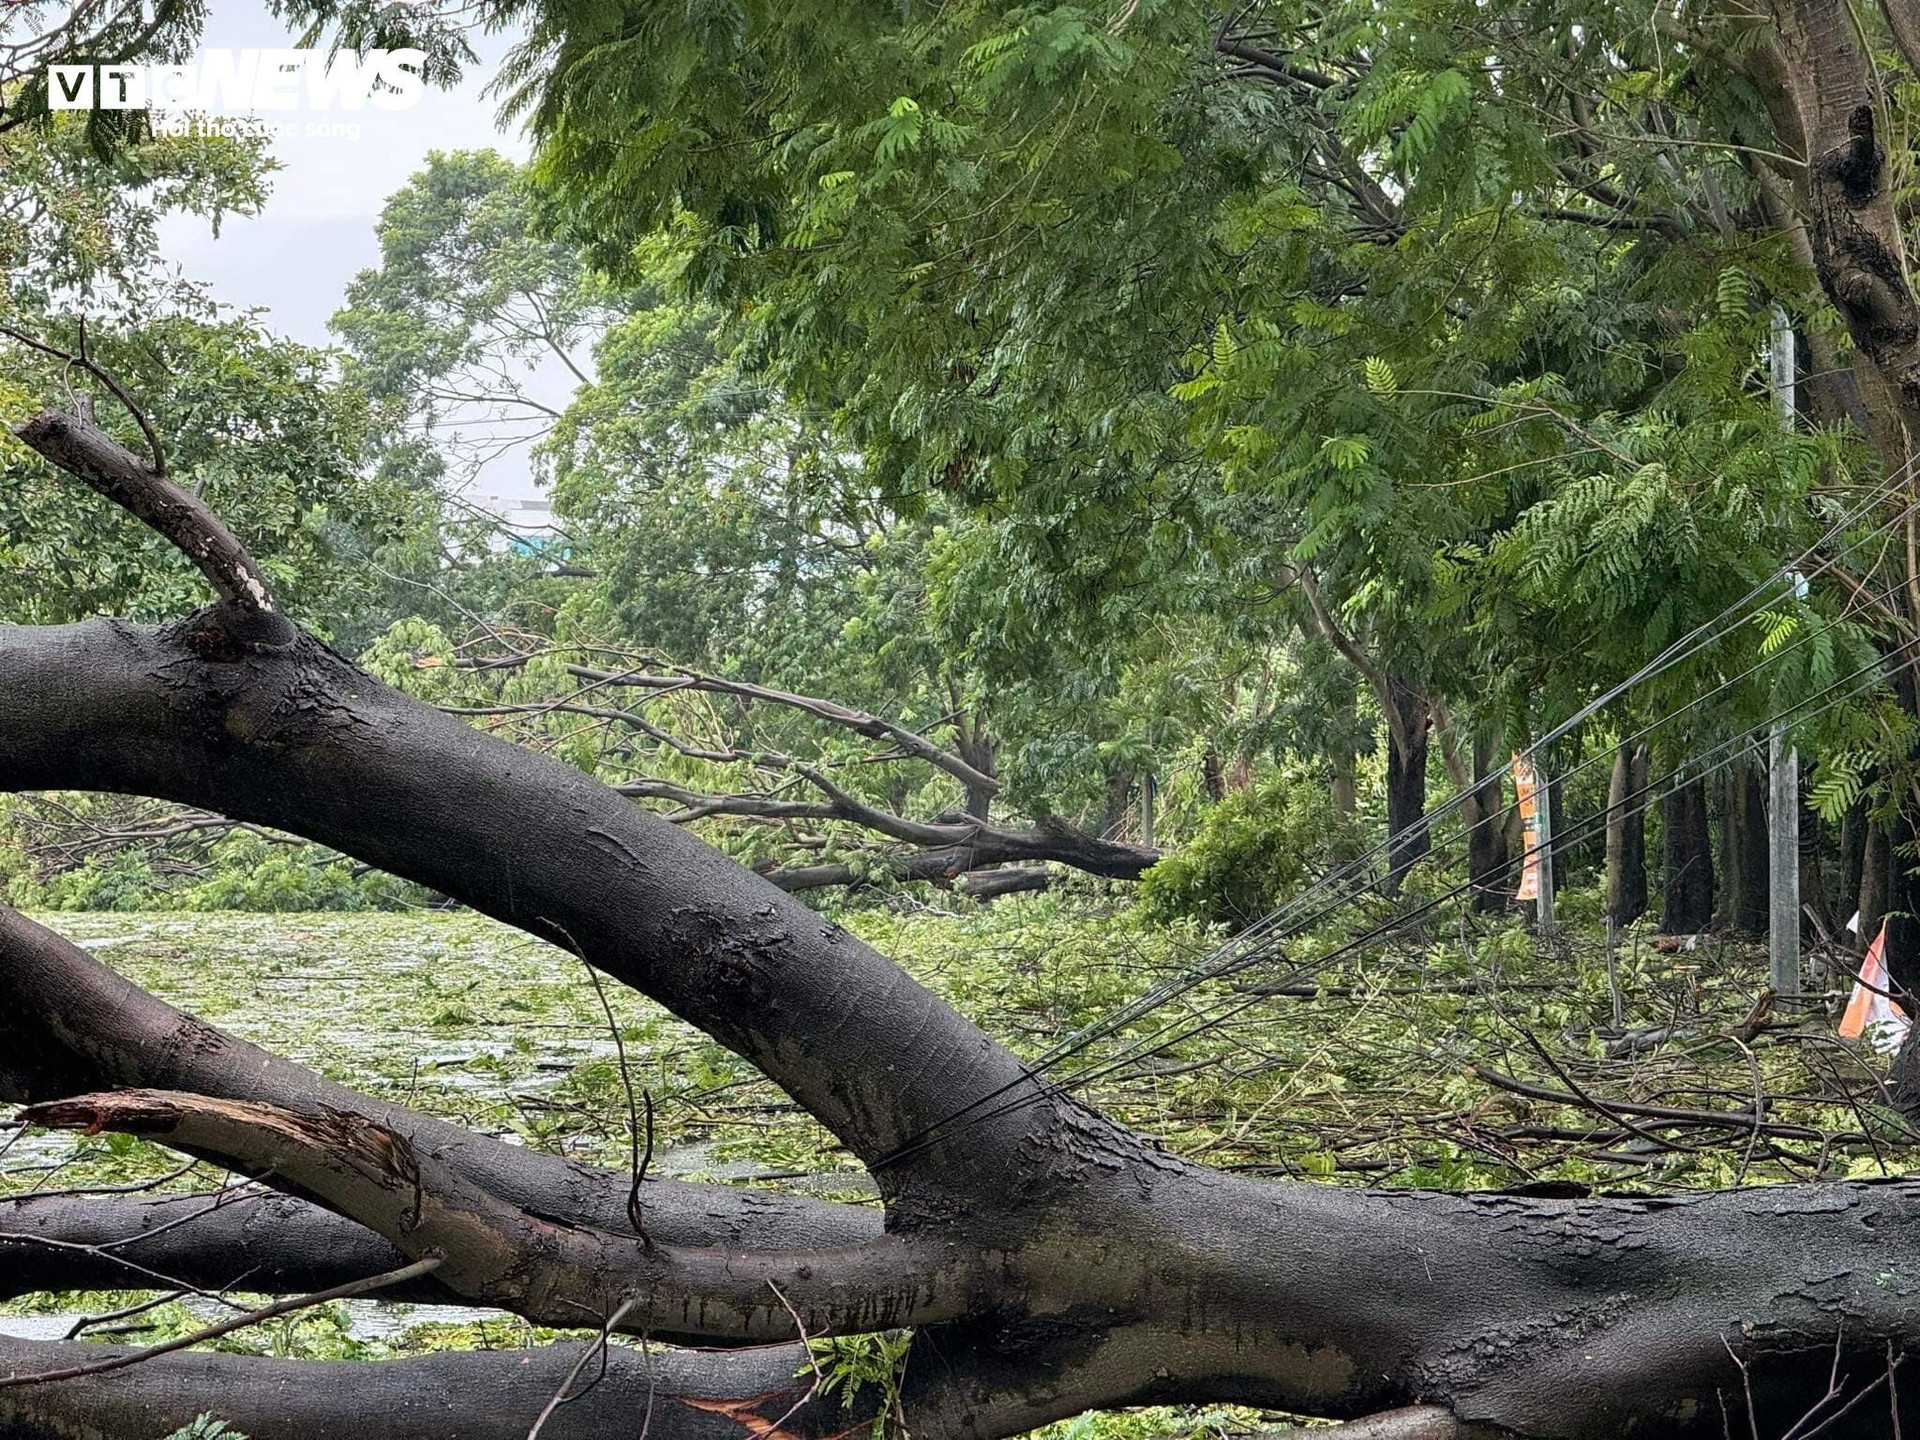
[471,1396]
[1853,856]
[1407,836]
[1744,830]
[1876,881]
[1626,835]
[1487,864]
[1814,840]
[1049,1260]
[1686,853]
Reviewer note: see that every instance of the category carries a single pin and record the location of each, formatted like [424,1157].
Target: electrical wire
[1252,945]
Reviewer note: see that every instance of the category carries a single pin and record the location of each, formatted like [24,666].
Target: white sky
[294,259]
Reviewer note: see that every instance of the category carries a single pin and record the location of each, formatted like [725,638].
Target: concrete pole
[1783,865]
[1783,787]
[1543,813]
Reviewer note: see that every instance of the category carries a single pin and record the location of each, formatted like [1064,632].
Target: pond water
[449,1013]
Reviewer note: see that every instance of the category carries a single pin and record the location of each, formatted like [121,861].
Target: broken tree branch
[88,453]
[500,1254]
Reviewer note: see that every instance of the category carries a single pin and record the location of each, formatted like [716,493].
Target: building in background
[525,525]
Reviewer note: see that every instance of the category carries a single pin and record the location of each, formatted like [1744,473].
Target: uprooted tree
[1047,1260]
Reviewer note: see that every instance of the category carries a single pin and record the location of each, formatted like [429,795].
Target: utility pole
[1783,787]
[1543,811]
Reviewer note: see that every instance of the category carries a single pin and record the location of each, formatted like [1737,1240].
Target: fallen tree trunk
[1050,1260]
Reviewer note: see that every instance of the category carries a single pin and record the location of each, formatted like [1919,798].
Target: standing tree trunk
[981,751]
[1686,861]
[1745,830]
[1212,779]
[1876,881]
[1408,732]
[1853,855]
[1487,862]
[1409,716]
[1118,810]
[1345,792]
[1627,835]
[1813,871]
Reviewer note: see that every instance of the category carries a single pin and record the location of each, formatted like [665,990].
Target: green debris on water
[1372,1078]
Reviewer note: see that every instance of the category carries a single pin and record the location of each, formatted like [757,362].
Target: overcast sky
[294,259]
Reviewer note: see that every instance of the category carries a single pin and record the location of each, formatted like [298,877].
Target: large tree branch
[288,733]
[648,1393]
[183,519]
[1574,1319]
[68,1024]
[1049,841]
[299,739]
[1132,1277]
[348,1290]
[951,849]
[963,841]
[531,1234]
[275,1244]
[549,1270]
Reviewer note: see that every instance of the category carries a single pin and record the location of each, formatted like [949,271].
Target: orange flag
[1526,785]
[1870,1010]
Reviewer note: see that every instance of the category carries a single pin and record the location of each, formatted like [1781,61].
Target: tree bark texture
[1408,737]
[1627,835]
[1487,862]
[1686,856]
[1744,827]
